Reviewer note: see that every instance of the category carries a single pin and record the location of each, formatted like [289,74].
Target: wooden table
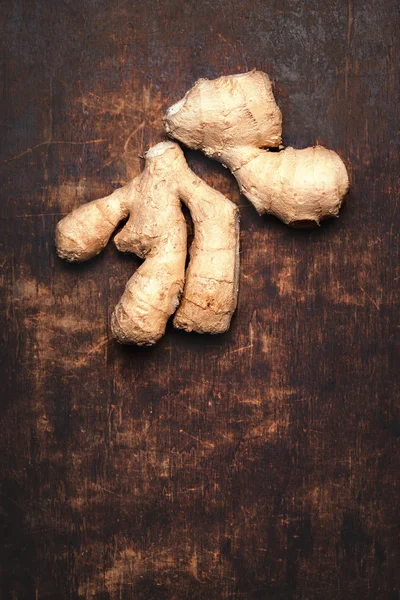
[263,463]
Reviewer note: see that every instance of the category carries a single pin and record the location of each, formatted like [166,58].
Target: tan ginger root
[233,119]
[156,231]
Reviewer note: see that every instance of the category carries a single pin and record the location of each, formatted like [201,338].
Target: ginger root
[156,231]
[233,119]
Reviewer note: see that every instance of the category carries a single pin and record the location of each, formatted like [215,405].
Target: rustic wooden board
[259,464]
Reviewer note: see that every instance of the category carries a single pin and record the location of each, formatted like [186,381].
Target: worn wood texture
[263,463]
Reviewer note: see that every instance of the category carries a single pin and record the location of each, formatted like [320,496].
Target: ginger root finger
[212,278]
[151,296]
[300,187]
[233,119]
[86,231]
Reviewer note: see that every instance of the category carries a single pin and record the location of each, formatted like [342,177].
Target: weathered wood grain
[259,464]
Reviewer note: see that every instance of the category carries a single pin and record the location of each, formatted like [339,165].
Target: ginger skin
[233,119]
[156,231]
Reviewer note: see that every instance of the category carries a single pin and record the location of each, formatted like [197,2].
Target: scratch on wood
[51,143]
[230,352]
[370,298]
[350,22]
[93,350]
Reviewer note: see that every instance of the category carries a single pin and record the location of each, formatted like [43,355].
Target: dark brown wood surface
[263,463]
